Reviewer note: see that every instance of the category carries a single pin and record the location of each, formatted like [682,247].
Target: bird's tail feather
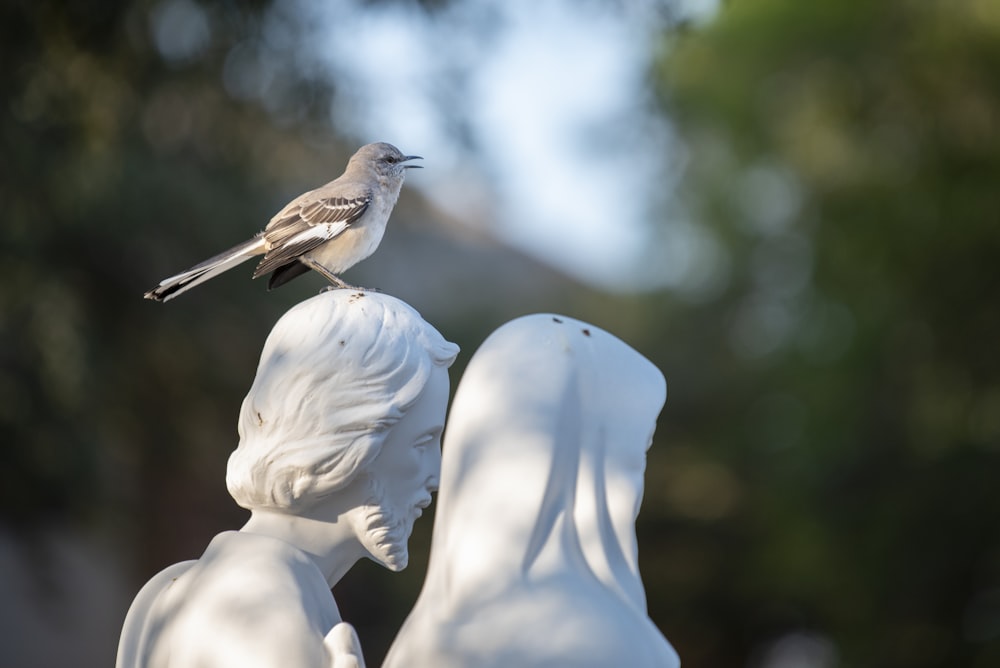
[210,268]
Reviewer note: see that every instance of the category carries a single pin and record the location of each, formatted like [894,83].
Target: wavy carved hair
[336,373]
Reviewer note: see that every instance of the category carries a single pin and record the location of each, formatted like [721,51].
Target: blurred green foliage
[845,156]
[825,465]
[118,160]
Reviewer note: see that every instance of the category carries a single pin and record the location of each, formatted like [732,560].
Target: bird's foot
[356,288]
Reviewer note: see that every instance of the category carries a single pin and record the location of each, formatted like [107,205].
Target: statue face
[405,472]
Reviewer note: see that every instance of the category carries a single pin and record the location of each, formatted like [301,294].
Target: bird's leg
[337,281]
[327,274]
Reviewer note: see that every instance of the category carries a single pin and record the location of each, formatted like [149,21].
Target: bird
[328,230]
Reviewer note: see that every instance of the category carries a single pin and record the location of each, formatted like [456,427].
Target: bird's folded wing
[303,228]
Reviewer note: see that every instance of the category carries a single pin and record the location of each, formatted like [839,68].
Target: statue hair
[336,373]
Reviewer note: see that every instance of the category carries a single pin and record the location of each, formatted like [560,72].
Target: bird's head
[385,159]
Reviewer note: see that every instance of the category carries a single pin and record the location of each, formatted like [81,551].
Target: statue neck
[331,543]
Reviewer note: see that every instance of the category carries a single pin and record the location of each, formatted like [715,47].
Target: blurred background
[792,208]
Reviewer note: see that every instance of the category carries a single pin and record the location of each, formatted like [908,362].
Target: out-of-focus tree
[134,134]
[829,482]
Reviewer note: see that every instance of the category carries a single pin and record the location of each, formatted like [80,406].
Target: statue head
[563,412]
[337,375]
[534,559]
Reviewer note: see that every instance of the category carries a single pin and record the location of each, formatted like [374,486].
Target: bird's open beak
[412,157]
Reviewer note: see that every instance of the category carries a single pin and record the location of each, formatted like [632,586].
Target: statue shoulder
[265,602]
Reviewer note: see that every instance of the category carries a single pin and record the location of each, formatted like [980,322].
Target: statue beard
[385,535]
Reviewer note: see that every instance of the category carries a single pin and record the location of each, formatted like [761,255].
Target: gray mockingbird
[328,230]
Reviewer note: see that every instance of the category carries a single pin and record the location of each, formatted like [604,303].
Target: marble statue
[339,452]
[534,557]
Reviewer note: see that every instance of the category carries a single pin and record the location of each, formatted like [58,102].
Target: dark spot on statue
[343,342]
[355,297]
[554,319]
[586,332]
[260,419]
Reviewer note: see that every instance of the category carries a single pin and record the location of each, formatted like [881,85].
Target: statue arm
[291,642]
[275,624]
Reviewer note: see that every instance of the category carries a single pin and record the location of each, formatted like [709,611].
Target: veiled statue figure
[339,452]
[534,556]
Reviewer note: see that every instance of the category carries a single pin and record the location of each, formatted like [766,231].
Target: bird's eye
[391,159]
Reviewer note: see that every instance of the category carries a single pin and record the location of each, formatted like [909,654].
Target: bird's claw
[356,288]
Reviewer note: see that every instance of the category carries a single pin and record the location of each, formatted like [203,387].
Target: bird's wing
[300,228]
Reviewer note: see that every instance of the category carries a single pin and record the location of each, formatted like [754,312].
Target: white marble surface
[339,453]
[534,556]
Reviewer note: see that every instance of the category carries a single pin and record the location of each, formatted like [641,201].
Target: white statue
[533,559]
[339,452]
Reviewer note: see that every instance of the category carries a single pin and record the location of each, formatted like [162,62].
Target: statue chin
[385,534]
[385,541]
